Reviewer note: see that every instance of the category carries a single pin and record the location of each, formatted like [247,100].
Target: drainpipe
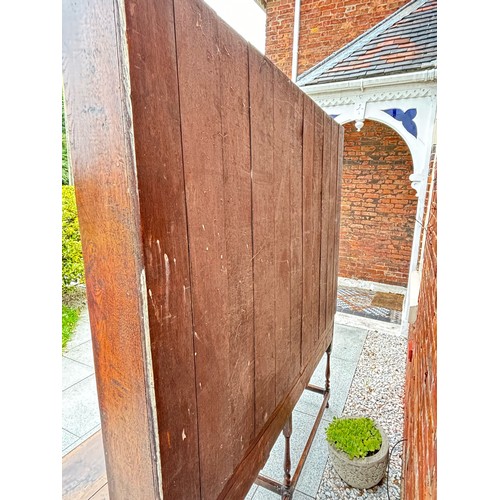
[295,43]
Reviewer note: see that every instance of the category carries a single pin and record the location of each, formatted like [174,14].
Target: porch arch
[377,105]
[378,205]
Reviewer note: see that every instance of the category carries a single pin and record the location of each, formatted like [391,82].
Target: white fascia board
[415,77]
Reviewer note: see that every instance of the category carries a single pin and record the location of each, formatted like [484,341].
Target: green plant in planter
[358,437]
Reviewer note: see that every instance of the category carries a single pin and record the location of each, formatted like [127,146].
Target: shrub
[72,259]
[69,319]
[65,169]
[358,437]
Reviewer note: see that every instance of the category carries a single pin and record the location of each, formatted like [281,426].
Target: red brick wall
[420,456]
[325,26]
[378,205]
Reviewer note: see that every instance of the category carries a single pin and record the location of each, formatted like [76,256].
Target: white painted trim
[295,43]
[422,176]
[371,285]
[360,85]
[366,99]
[414,287]
[369,324]
[427,215]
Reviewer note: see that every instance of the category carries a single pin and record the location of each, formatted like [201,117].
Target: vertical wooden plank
[332,214]
[235,113]
[307,155]
[296,264]
[308,235]
[339,165]
[155,98]
[206,257]
[325,201]
[96,81]
[263,201]
[316,220]
[200,98]
[283,110]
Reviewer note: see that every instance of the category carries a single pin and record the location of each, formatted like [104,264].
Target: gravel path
[377,391]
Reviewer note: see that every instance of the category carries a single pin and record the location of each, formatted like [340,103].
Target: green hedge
[69,319]
[72,259]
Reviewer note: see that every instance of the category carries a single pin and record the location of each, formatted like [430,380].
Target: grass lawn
[69,318]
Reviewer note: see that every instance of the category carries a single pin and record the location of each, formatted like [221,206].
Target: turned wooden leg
[287,432]
[327,372]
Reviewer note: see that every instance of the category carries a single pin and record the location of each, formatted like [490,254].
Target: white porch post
[370,100]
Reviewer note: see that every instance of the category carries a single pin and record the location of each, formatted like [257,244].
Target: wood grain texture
[282,112]
[235,114]
[201,121]
[316,219]
[325,213]
[338,195]
[245,474]
[158,146]
[333,220]
[263,207]
[209,212]
[308,334]
[100,134]
[295,142]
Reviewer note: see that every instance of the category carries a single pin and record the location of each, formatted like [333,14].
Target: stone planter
[362,472]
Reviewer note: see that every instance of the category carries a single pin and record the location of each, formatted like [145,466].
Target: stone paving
[356,298]
[80,409]
[80,417]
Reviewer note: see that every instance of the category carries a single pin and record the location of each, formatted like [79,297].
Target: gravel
[377,391]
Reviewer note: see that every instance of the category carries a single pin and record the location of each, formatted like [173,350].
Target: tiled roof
[403,42]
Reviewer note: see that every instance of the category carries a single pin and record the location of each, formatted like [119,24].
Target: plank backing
[209,198]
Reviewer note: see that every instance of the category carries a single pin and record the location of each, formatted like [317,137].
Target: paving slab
[82,331]
[82,353]
[263,494]
[80,407]
[73,372]
[348,342]
[80,440]
[341,375]
[370,324]
[314,466]
[68,439]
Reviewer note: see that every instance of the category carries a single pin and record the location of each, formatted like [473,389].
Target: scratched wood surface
[103,160]
[209,213]
[263,202]
[156,114]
